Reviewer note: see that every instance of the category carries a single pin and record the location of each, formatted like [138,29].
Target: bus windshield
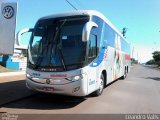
[57,43]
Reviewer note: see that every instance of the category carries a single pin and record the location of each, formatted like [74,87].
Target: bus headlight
[75,78]
[78,77]
[28,76]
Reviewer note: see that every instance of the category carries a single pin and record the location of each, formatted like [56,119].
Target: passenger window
[92,46]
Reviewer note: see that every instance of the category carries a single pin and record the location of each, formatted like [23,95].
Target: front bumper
[76,88]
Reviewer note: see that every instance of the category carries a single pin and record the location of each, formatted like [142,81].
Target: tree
[156,57]
[133,61]
[150,62]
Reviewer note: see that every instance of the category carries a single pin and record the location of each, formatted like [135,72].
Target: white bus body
[76,53]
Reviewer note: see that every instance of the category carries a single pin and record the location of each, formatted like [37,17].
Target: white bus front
[57,55]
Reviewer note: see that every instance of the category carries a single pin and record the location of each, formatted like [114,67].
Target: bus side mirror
[87,29]
[18,38]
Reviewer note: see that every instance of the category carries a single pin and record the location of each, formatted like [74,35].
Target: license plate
[48,89]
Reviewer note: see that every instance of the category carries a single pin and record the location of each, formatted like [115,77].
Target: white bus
[76,53]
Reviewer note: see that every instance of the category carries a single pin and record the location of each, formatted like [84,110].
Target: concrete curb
[5,74]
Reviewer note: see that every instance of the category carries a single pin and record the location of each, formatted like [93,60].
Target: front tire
[101,87]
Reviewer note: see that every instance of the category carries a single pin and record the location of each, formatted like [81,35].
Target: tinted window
[92,46]
[98,31]
[125,46]
[109,35]
[58,43]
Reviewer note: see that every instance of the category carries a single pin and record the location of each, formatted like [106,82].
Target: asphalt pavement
[139,93]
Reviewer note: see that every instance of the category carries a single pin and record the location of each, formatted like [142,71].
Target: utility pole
[124,30]
[137,57]
[132,51]
[159,43]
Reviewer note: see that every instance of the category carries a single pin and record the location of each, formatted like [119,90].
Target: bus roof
[84,12]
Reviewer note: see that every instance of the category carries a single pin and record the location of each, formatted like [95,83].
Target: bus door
[92,55]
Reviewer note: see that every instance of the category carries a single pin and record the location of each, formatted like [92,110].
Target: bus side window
[108,36]
[92,47]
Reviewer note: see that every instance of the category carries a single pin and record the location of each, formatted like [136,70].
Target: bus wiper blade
[57,40]
[40,57]
[38,62]
[62,58]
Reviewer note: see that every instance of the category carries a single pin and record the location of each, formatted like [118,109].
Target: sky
[140,17]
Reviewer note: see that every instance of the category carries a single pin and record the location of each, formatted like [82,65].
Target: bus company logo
[91,82]
[58,75]
[8,12]
[48,81]
[48,69]
[36,74]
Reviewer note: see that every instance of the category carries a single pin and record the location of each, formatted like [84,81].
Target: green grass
[3,69]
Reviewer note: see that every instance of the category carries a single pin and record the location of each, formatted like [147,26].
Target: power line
[71,5]
[77,3]
[80,4]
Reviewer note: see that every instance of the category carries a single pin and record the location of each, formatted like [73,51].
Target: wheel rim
[125,72]
[101,85]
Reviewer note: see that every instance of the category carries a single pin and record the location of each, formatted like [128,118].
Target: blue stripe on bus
[99,59]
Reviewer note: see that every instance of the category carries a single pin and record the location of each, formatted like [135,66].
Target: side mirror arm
[87,29]
[18,38]
[20,33]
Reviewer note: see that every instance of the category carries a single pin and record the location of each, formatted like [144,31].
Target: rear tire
[101,87]
[125,74]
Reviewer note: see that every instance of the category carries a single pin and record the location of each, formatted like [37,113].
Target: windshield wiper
[40,57]
[56,34]
[57,41]
[45,47]
[62,58]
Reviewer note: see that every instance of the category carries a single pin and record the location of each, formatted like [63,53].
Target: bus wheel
[101,87]
[125,74]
